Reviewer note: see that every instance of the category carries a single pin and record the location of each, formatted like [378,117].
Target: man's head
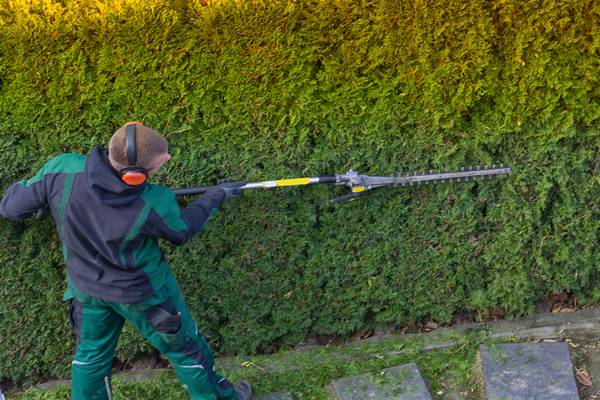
[152,149]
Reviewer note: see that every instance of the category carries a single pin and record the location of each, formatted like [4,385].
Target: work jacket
[108,229]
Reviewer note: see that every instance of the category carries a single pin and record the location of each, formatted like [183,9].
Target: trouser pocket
[167,321]
[75,313]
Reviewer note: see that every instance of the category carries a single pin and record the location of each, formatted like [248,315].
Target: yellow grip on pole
[292,182]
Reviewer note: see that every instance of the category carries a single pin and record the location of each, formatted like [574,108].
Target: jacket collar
[106,182]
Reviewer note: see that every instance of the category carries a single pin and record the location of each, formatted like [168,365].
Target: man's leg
[97,328]
[165,321]
[199,349]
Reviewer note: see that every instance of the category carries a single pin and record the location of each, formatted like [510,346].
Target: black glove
[231,189]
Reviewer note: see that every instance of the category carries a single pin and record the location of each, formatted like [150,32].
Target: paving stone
[52,384]
[403,382]
[277,396]
[144,362]
[526,371]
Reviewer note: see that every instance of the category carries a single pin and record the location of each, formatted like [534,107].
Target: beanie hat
[149,145]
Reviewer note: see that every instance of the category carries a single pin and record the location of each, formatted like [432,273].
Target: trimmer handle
[348,196]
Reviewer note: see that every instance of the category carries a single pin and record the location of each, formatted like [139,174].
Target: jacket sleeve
[177,224]
[24,198]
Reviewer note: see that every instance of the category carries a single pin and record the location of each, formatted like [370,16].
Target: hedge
[256,90]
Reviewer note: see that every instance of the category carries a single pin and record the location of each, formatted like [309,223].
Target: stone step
[276,396]
[403,382]
[525,371]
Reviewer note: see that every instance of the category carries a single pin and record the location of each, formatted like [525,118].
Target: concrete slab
[526,371]
[403,382]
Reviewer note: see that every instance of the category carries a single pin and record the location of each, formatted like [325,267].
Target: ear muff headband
[130,149]
[131,174]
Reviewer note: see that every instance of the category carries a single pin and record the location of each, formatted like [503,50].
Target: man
[109,219]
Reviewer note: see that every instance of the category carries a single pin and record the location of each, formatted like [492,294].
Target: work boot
[243,391]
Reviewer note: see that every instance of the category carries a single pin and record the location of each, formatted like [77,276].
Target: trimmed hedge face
[265,89]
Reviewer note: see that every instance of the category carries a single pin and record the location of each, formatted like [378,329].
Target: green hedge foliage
[256,90]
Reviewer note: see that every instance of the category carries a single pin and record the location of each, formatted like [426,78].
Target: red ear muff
[133,178]
[132,174]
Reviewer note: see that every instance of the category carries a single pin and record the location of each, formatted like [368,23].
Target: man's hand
[231,189]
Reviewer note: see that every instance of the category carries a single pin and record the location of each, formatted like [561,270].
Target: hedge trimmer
[360,184]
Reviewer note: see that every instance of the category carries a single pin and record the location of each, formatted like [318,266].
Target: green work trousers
[163,319]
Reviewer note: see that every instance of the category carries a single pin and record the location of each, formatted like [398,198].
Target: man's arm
[177,224]
[24,198]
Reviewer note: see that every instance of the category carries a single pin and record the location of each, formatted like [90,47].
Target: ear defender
[132,175]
